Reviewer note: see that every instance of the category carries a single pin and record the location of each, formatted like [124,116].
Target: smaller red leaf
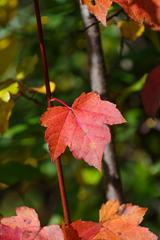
[151,92]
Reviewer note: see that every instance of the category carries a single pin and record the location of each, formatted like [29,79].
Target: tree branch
[48,94]
[98,78]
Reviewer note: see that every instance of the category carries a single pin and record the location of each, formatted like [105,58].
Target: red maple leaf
[151,92]
[142,11]
[82,127]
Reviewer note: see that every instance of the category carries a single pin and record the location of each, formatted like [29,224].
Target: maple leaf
[141,11]
[26,226]
[98,8]
[151,92]
[120,222]
[82,127]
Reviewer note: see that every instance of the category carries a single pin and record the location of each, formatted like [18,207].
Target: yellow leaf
[42,89]
[5,110]
[8,90]
[131,30]
[4,96]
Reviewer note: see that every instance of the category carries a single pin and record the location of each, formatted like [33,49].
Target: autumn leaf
[42,89]
[82,127]
[121,222]
[126,212]
[151,92]
[7,89]
[25,225]
[98,8]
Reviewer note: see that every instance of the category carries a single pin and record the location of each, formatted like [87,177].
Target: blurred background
[27,176]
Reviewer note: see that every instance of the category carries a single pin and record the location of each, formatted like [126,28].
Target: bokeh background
[27,176]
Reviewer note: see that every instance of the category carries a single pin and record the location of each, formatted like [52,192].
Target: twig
[48,94]
[108,19]
[30,98]
[115,14]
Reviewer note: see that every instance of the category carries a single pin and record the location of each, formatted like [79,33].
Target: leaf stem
[48,93]
[60,101]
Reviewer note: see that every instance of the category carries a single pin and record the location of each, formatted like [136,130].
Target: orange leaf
[126,212]
[124,231]
[121,223]
[108,210]
[98,8]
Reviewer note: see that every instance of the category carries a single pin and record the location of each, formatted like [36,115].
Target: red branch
[48,94]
